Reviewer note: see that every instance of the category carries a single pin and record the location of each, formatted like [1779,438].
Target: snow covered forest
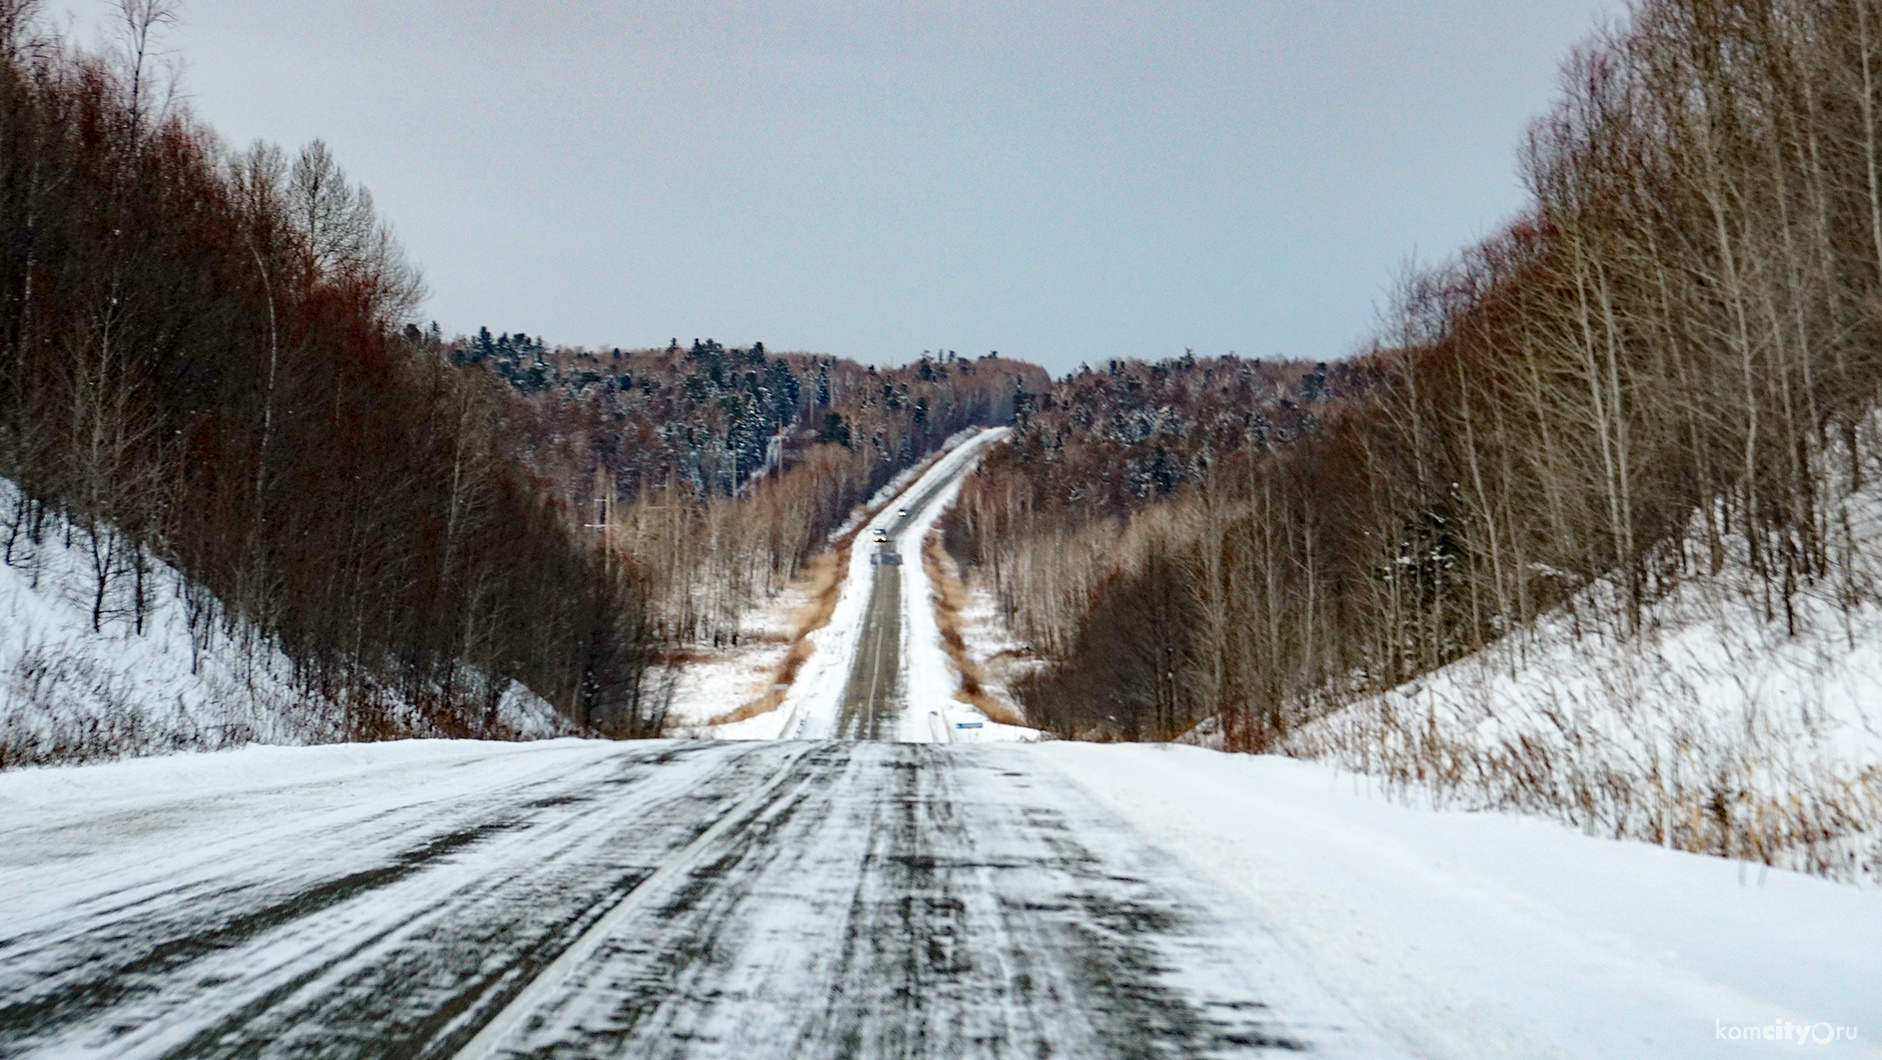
[1637,421]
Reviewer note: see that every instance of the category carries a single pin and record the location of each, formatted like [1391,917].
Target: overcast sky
[1060,181]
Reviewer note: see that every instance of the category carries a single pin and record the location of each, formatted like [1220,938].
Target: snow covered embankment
[1712,729]
[72,691]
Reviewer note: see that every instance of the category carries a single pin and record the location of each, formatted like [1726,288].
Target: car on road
[901,513]
[881,536]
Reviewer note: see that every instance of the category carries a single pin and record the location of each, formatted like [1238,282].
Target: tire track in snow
[874,693]
[551,978]
[928,901]
[395,933]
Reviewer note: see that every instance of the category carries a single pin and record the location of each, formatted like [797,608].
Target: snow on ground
[97,789]
[818,688]
[391,899]
[989,641]
[1455,934]
[1479,935]
[814,701]
[715,681]
[1714,728]
[71,692]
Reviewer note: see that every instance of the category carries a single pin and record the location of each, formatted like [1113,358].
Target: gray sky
[1060,181]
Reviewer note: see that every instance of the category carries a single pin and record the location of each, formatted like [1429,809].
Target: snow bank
[100,786]
[1478,935]
[1002,657]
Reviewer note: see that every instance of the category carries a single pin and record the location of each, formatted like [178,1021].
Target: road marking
[551,978]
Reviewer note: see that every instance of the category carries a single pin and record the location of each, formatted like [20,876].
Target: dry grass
[949,597]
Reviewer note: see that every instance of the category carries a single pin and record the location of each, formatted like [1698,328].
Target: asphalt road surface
[666,899]
[873,699]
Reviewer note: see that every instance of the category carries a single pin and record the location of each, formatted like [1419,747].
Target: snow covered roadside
[987,645]
[93,790]
[715,681]
[1718,727]
[1493,935]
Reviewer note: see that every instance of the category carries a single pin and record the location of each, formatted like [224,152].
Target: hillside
[1717,723]
[86,676]
[1101,450]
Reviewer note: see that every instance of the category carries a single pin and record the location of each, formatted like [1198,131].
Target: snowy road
[872,899]
[877,670]
[838,898]
[875,697]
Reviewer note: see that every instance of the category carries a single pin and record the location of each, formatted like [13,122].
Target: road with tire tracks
[821,899]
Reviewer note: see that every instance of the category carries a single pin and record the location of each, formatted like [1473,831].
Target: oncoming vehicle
[881,535]
[901,513]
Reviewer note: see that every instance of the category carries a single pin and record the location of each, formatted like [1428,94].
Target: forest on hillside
[1102,450]
[1667,358]
[203,367]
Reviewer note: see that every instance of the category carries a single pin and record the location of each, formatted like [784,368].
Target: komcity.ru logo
[1823,1033]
